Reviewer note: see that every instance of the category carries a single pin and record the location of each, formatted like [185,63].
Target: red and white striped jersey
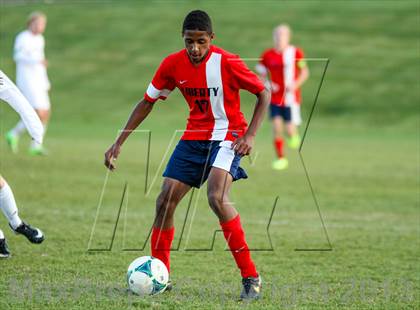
[284,68]
[211,91]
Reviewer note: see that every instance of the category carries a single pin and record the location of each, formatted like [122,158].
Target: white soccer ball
[147,275]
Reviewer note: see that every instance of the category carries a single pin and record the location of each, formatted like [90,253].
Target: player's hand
[243,145]
[44,62]
[111,155]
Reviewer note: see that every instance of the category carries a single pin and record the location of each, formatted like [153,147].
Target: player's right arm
[261,69]
[140,112]
[160,87]
[263,74]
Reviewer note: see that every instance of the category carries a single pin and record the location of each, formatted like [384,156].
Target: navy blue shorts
[284,112]
[192,161]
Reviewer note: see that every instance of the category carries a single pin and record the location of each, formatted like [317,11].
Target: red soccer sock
[235,238]
[278,145]
[161,243]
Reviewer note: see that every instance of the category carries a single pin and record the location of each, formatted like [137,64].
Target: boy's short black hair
[197,20]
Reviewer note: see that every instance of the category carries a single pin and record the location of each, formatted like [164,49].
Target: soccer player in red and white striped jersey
[215,139]
[286,67]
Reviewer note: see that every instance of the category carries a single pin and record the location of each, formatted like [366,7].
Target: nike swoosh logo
[183,82]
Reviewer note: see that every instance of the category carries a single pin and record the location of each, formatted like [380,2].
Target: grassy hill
[116,46]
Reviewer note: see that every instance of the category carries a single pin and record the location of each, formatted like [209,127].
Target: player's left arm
[243,145]
[302,66]
[302,77]
[246,79]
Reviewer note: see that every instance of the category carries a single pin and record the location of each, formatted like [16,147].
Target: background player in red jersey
[287,69]
[215,139]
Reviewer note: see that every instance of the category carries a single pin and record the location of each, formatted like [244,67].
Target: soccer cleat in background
[4,250]
[38,151]
[33,234]
[251,288]
[280,164]
[12,142]
[294,142]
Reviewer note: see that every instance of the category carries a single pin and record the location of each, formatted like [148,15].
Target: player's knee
[215,199]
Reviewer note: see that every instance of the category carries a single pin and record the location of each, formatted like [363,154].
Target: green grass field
[362,153]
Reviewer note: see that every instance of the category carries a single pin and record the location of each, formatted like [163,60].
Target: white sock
[18,129]
[8,206]
[36,145]
[1,234]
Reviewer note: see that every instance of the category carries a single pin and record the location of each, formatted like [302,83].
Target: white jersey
[11,94]
[28,53]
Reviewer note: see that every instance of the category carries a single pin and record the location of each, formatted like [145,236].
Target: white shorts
[39,99]
[296,118]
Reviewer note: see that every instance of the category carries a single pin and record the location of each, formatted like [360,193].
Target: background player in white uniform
[31,77]
[10,94]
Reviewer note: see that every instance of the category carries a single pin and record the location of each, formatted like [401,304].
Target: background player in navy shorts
[286,67]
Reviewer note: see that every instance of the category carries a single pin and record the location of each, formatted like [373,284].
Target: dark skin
[197,44]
